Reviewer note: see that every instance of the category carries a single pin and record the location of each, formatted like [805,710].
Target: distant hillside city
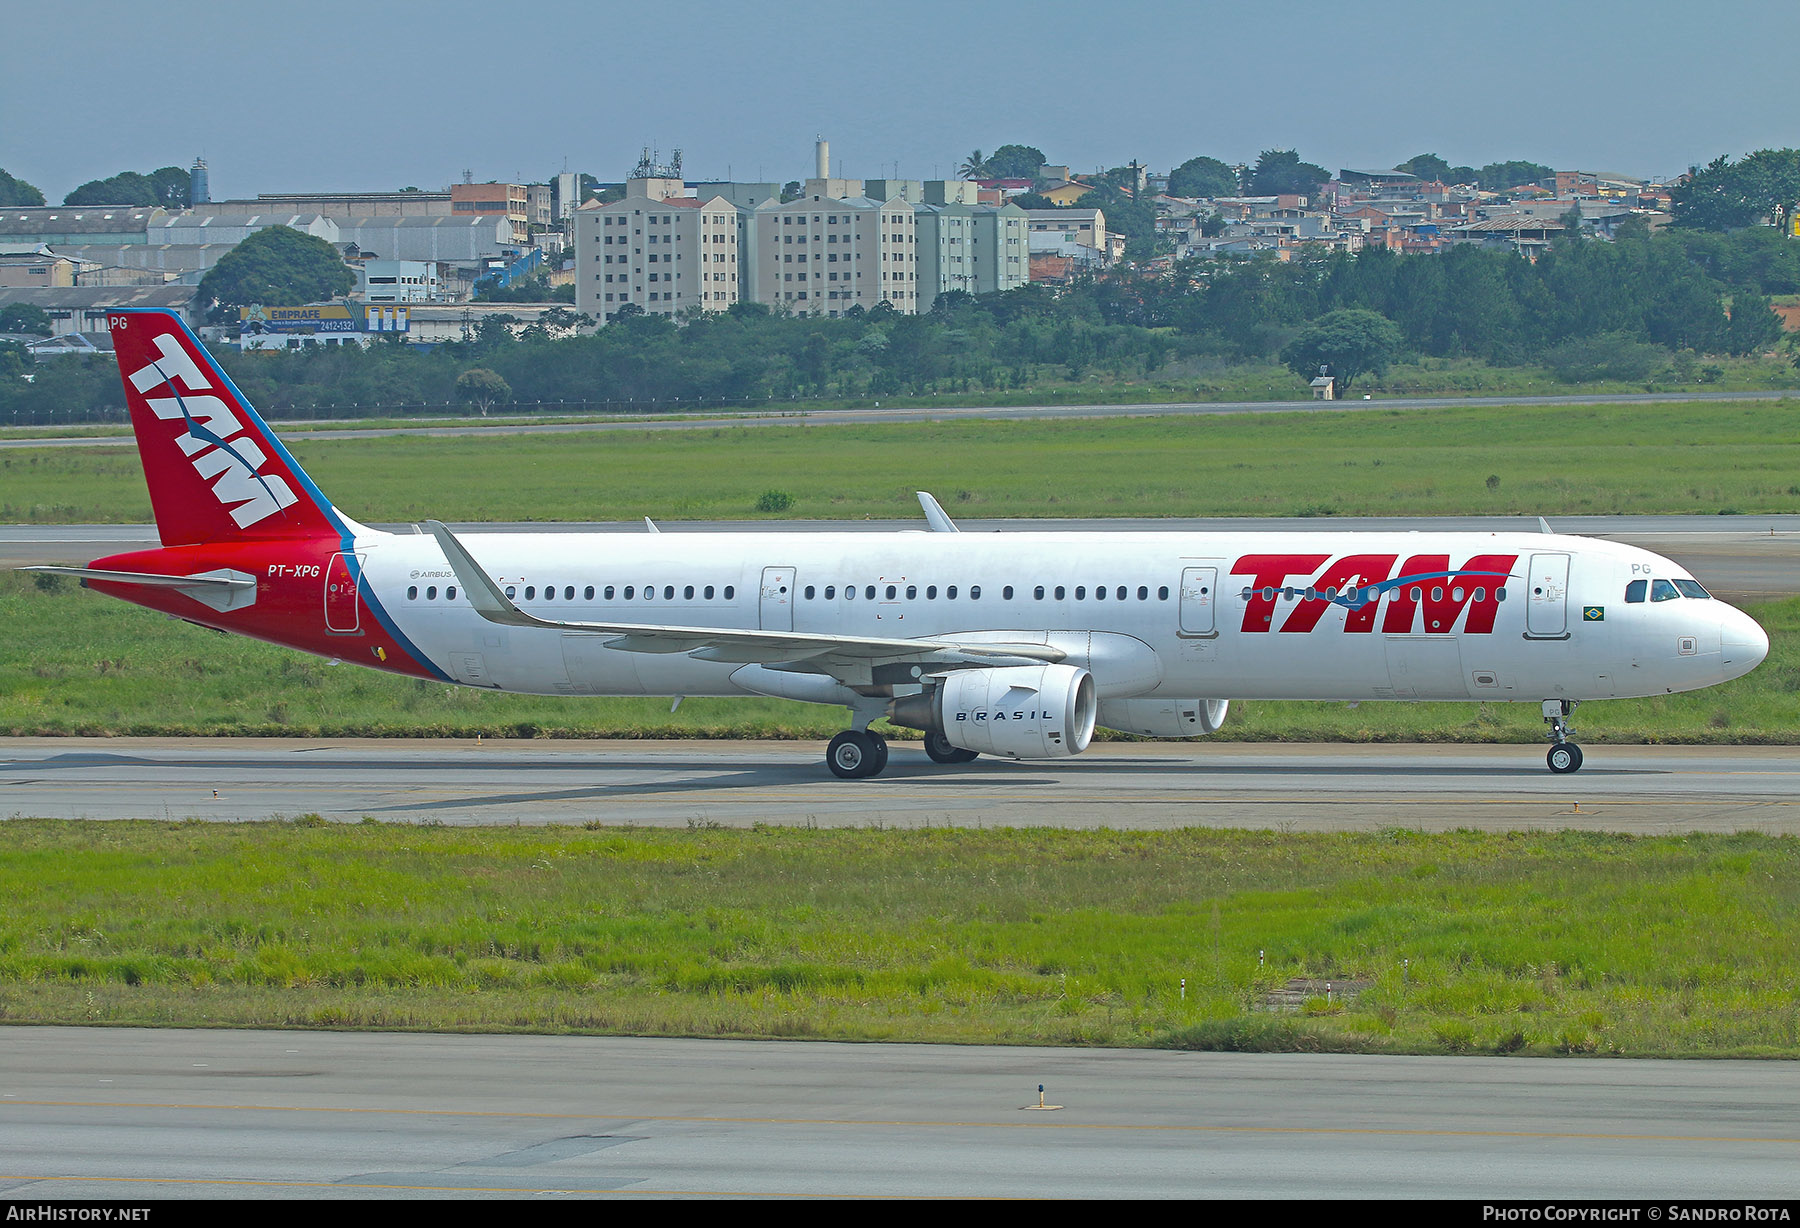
[432,263]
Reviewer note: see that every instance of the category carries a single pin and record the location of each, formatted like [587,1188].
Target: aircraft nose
[1743,644]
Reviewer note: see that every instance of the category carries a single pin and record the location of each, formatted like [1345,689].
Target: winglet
[651,525]
[483,593]
[1544,524]
[935,516]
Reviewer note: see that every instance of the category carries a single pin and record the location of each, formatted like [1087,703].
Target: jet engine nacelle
[1019,712]
[1164,718]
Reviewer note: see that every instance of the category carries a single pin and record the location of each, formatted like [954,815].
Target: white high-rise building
[656,249]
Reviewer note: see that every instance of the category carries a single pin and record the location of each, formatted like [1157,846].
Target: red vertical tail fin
[215,470]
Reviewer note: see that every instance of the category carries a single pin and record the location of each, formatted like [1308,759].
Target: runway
[1123,785]
[143,1113]
[1739,558]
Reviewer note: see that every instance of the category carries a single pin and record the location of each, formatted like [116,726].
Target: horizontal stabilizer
[222,590]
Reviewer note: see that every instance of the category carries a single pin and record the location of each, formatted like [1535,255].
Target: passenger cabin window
[587,594]
[1662,590]
[1634,592]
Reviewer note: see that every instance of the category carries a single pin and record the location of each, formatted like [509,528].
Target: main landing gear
[856,753]
[940,750]
[1564,755]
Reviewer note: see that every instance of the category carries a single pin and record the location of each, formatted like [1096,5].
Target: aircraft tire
[853,754]
[1563,758]
[939,749]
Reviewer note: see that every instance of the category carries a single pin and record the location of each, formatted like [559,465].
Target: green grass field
[1706,457]
[77,662]
[1462,942]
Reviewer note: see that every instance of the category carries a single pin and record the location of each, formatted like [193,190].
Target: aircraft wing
[731,644]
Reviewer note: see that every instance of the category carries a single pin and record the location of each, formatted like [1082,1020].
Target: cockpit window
[1634,592]
[1662,590]
[1691,588]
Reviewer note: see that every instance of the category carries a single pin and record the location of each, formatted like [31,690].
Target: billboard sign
[328,318]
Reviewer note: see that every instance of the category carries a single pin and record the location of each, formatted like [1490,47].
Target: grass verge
[1462,942]
[1711,457]
[77,663]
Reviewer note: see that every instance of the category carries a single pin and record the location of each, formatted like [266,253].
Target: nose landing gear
[1564,756]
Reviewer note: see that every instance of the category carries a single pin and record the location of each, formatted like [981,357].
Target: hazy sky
[378,94]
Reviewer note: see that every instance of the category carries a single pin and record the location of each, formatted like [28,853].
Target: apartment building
[656,249]
[824,256]
[978,249]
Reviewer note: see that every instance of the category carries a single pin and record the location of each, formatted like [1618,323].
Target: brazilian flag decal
[1593,613]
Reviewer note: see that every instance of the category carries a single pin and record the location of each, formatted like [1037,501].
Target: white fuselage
[1226,615]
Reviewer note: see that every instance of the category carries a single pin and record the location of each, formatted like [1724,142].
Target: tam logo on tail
[248,495]
[218,473]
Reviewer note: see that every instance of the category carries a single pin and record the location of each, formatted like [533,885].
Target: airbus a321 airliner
[1013,644]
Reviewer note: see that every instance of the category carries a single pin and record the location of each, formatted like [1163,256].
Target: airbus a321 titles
[1015,644]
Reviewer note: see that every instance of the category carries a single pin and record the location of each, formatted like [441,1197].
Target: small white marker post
[1184,989]
[1259,957]
[1327,993]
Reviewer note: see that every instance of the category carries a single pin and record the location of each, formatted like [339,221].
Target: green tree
[973,167]
[24,318]
[1280,172]
[16,192]
[174,187]
[1763,186]
[1014,162]
[124,188]
[1203,177]
[1754,326]
[482,387]
[790,191]
[1350,343]
[275,267]
[1430,167]
[1499,176]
